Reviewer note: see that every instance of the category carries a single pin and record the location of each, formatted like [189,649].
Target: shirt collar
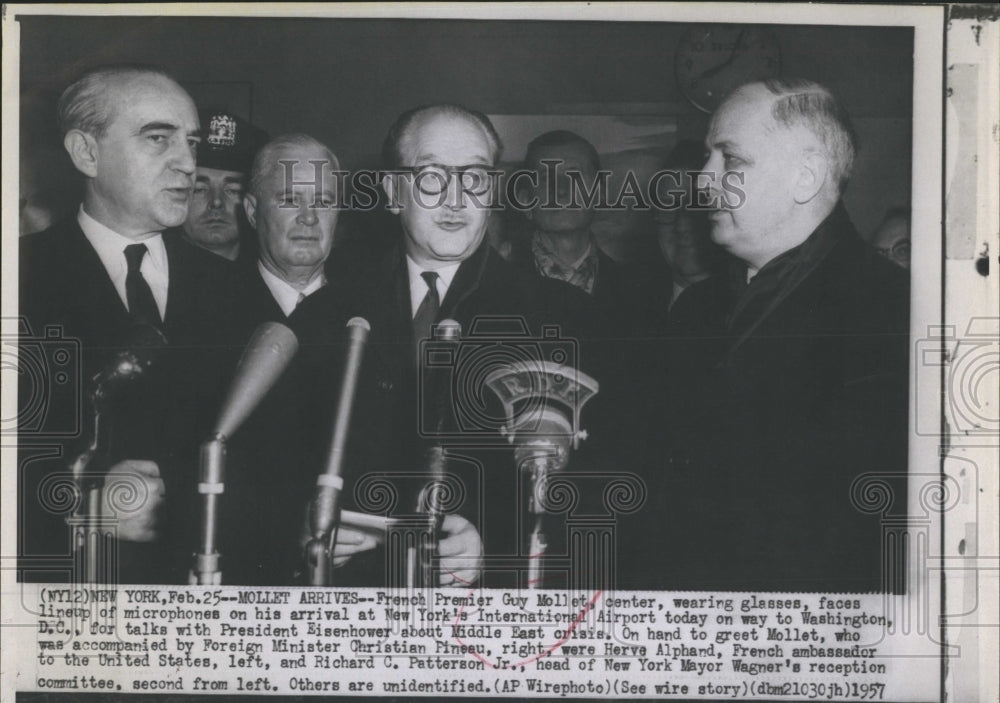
[285,295]
[110,246]
[418,287]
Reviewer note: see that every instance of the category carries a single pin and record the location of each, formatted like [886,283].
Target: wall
[344,81]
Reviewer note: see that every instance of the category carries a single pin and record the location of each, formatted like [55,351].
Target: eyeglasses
[433,179]
[899,251]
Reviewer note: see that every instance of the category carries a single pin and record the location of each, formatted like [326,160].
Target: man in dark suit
[809,392]
[442,268]
[107,278]
[291,203]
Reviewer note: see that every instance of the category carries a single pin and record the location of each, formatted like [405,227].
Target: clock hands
[715,70]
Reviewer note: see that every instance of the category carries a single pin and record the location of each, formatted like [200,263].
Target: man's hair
[561,138]
[392,155]
[86,105]
[267,158]
[801,102]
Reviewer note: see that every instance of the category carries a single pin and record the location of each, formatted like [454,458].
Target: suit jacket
[273,459]
[66,297]
[806,393]
[257,298]
[399,414]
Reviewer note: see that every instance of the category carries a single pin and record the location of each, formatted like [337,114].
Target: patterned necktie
[428,311]
[141,303]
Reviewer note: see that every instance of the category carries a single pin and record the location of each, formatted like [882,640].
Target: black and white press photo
[596,349]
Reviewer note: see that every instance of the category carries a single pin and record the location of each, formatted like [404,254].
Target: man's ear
[391,187]
[83,151]
[250,208]
[814,171]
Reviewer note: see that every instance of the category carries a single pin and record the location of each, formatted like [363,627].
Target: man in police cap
[224,158]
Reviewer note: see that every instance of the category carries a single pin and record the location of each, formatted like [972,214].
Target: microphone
[448,330]
[141,349]
[267,355]
[543,401]
[420,568]
[265,358]
[142,345]
[325,508]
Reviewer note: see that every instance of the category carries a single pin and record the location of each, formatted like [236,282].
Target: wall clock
[713,59]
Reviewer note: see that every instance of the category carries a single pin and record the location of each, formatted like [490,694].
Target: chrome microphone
[267,355]
[324,513]
[543,401]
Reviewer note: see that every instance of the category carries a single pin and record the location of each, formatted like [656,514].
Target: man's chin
[171,216]
[215,236]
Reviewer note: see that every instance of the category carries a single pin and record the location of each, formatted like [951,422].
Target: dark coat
[257,300]
[66,297]
[397,418]
[806,392]
[273,459]
[623,294]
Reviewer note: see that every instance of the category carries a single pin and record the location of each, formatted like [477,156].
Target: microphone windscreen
[265,358]
[358,329]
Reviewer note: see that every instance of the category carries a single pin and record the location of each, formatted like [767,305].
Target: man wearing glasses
[439,161]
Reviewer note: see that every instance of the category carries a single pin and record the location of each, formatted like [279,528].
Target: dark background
[345,80]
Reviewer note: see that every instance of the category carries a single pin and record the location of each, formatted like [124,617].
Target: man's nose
[454,192]
[307,213]
[215,198]
[710,176]
[183,157]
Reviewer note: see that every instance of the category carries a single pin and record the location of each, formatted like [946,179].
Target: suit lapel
[97,291]
[466,282]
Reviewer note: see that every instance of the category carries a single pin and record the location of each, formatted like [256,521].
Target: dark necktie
[428,311]
[141,303]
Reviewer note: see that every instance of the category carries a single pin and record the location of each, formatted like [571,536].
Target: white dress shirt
[418,286]
[285,294]
[110,247]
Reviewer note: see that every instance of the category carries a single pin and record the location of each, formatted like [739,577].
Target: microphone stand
[267,355]
[211,485]
[542,401]
[324,515]
[84,468]
[423,573]
[421,570]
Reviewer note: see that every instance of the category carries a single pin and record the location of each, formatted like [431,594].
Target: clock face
[713,59]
